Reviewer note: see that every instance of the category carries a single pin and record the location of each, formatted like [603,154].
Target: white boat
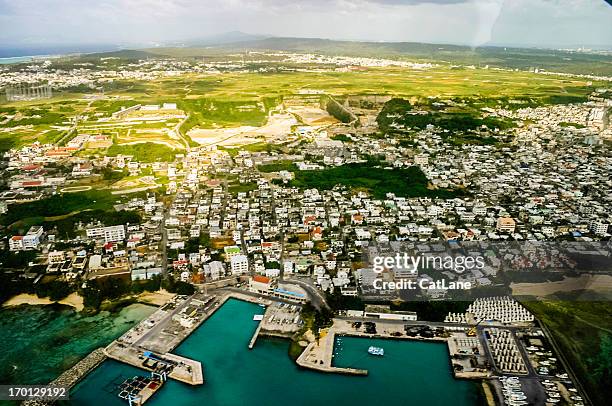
[376,351]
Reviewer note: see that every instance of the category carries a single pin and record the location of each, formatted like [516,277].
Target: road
[317,299]
[178,132]
[164,242]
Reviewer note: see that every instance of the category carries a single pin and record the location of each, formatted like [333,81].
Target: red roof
[261,279]
[31,183]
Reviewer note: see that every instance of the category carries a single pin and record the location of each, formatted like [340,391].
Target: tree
[602,363]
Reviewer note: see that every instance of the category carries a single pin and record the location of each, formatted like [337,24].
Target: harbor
[229,330]
[153,346]
[148,346]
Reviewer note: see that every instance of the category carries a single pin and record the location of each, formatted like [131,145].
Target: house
[506,225]
[214,270]
[260,284]
[56,257]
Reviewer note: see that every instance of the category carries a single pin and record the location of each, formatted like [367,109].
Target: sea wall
[72,376]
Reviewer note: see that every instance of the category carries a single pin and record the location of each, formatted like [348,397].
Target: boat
[376,351]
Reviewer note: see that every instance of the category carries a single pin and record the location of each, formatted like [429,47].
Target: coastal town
[289,215]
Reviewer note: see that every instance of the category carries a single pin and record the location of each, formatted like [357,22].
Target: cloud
[474,22]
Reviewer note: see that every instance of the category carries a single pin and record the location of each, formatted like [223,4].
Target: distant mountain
[515,58]
[506,57]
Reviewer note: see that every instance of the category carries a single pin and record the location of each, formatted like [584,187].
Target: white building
[30,241]
[214,270]
[109,234]
[599,228]
[239,264]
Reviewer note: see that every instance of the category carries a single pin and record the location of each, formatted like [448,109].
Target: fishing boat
[376,351]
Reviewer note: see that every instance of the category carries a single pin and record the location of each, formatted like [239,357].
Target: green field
[59,205]
[45,121]
[236,99]
[144,152]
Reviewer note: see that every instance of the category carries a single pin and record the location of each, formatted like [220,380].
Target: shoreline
[73,300]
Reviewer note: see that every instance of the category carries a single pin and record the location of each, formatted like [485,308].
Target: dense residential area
[278,177]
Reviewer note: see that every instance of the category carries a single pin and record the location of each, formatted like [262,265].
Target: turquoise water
[412,373]
[15,59]
[38,343]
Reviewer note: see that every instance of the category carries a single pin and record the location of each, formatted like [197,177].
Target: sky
[539,23]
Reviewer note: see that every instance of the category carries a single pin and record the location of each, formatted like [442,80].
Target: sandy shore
[596,283]
[155,298]
[73,300]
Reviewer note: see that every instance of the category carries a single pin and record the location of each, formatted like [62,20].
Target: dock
[148,345]
[182,369]
[255,335]
[318,357]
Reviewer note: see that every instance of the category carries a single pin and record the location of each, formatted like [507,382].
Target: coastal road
[316,297]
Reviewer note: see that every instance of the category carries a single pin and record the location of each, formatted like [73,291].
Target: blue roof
[286,292]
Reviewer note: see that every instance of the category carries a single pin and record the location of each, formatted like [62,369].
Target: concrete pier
[254,338]
[318,356]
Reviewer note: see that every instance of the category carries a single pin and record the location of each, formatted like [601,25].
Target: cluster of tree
[194,244]
[393,108]
[148,285]
[397,111]
[58,205]
[601,364]
[405,182]
[338,111]
[146,152]
[16,260]
[54,290]
[316,319]
[277,167]
[178,287]
[98,290]
[12,285]
[272,265]
[341,137]
[338,301]
[108,173]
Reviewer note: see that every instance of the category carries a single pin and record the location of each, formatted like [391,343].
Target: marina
[234,323]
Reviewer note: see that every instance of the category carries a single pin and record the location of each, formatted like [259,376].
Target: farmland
[232,100]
